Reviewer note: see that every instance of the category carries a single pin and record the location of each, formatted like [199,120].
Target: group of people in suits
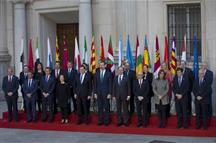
[55,89]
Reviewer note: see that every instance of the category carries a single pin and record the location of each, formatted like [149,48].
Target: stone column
[19,32]
[4,56]
[85,25]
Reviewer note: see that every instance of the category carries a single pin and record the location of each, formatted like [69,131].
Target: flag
[85,57]
[129,55]
[146,58]
[57,50]
[93,57]
[196,63]
[30,56]
[157,59]
[102,57]
[21,55]
[110,58]
[166,53]
[120,51]
[77,59]
[65,53]
[183,58]
[37,57]
[173,57]
[49,54]
[138,58]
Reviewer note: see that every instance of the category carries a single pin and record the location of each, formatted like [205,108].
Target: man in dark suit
[180,90]
[187,72]
[22,77]
[70,75]
[149,77]
[10,86]
[121,93]
[141,92]
[131,76]
[55,73]
[201,90]
[208,77]
[47,89]
[82,94]
[30,87]
[102,92]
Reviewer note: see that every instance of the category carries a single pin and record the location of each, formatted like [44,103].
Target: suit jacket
[103,87]
[203,90]
[123,89]
[61,71]
[208,78]
[149,77]
[70,77]
[83,89]
[142,90]
[161,87]
[181,89]
[10,86]
[131,76]
[32,89]
[48,86]
[22,78]
[62,94]
[189,74]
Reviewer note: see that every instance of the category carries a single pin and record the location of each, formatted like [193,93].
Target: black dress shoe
[179,127]
[29,120]
[126,124]
[106,124]
[197,127]
[79,122]
[139,125]
[99,124]
[50,120]
[119,124]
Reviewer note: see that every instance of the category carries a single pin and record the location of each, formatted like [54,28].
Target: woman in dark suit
[38,74]
[161,97]
[63,94]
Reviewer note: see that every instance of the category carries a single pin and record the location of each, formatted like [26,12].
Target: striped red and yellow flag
[93,58]
[57,50]
[173,57]
[102,56]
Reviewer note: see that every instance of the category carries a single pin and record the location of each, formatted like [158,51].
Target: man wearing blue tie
[180,90]
[47,89]
[30,87]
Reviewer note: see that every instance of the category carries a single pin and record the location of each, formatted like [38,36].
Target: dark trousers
[47,102]
[74,102]
[149,107]
[122,105]
[24,102]
[189,103]
[39,100]
[142,112]
[182,112]
[162,114]
[131,103]
[103,109]
[201,114]
[82,109]
[64,112]
[12,107]
[30,108]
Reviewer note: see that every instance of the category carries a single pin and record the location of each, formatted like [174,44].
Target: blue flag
[196,61]
[129,55]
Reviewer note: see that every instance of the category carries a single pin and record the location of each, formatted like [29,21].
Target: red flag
[157,59]
[30,58]
[166,53]
[110,58]
[102,57]
[65,53]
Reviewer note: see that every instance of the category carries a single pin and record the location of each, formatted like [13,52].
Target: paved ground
[32,136]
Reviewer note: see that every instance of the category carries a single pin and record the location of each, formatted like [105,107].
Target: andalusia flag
[57,50]
[85,58]
[146,58]
[138,58]
[93,58]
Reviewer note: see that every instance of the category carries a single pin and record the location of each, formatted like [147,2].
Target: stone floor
[33,136]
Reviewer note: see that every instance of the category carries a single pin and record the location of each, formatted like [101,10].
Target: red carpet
[152,129]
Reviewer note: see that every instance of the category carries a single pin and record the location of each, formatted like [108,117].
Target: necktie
[179,81]
[140,83]
[119,80]
[101,75]
[29,83]
[47,78]
[81,78]
[10,78]
[200,82]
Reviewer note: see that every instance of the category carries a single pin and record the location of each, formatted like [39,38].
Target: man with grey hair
[208,77]
[10,86]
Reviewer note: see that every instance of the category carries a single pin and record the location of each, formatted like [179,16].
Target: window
[184,19]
